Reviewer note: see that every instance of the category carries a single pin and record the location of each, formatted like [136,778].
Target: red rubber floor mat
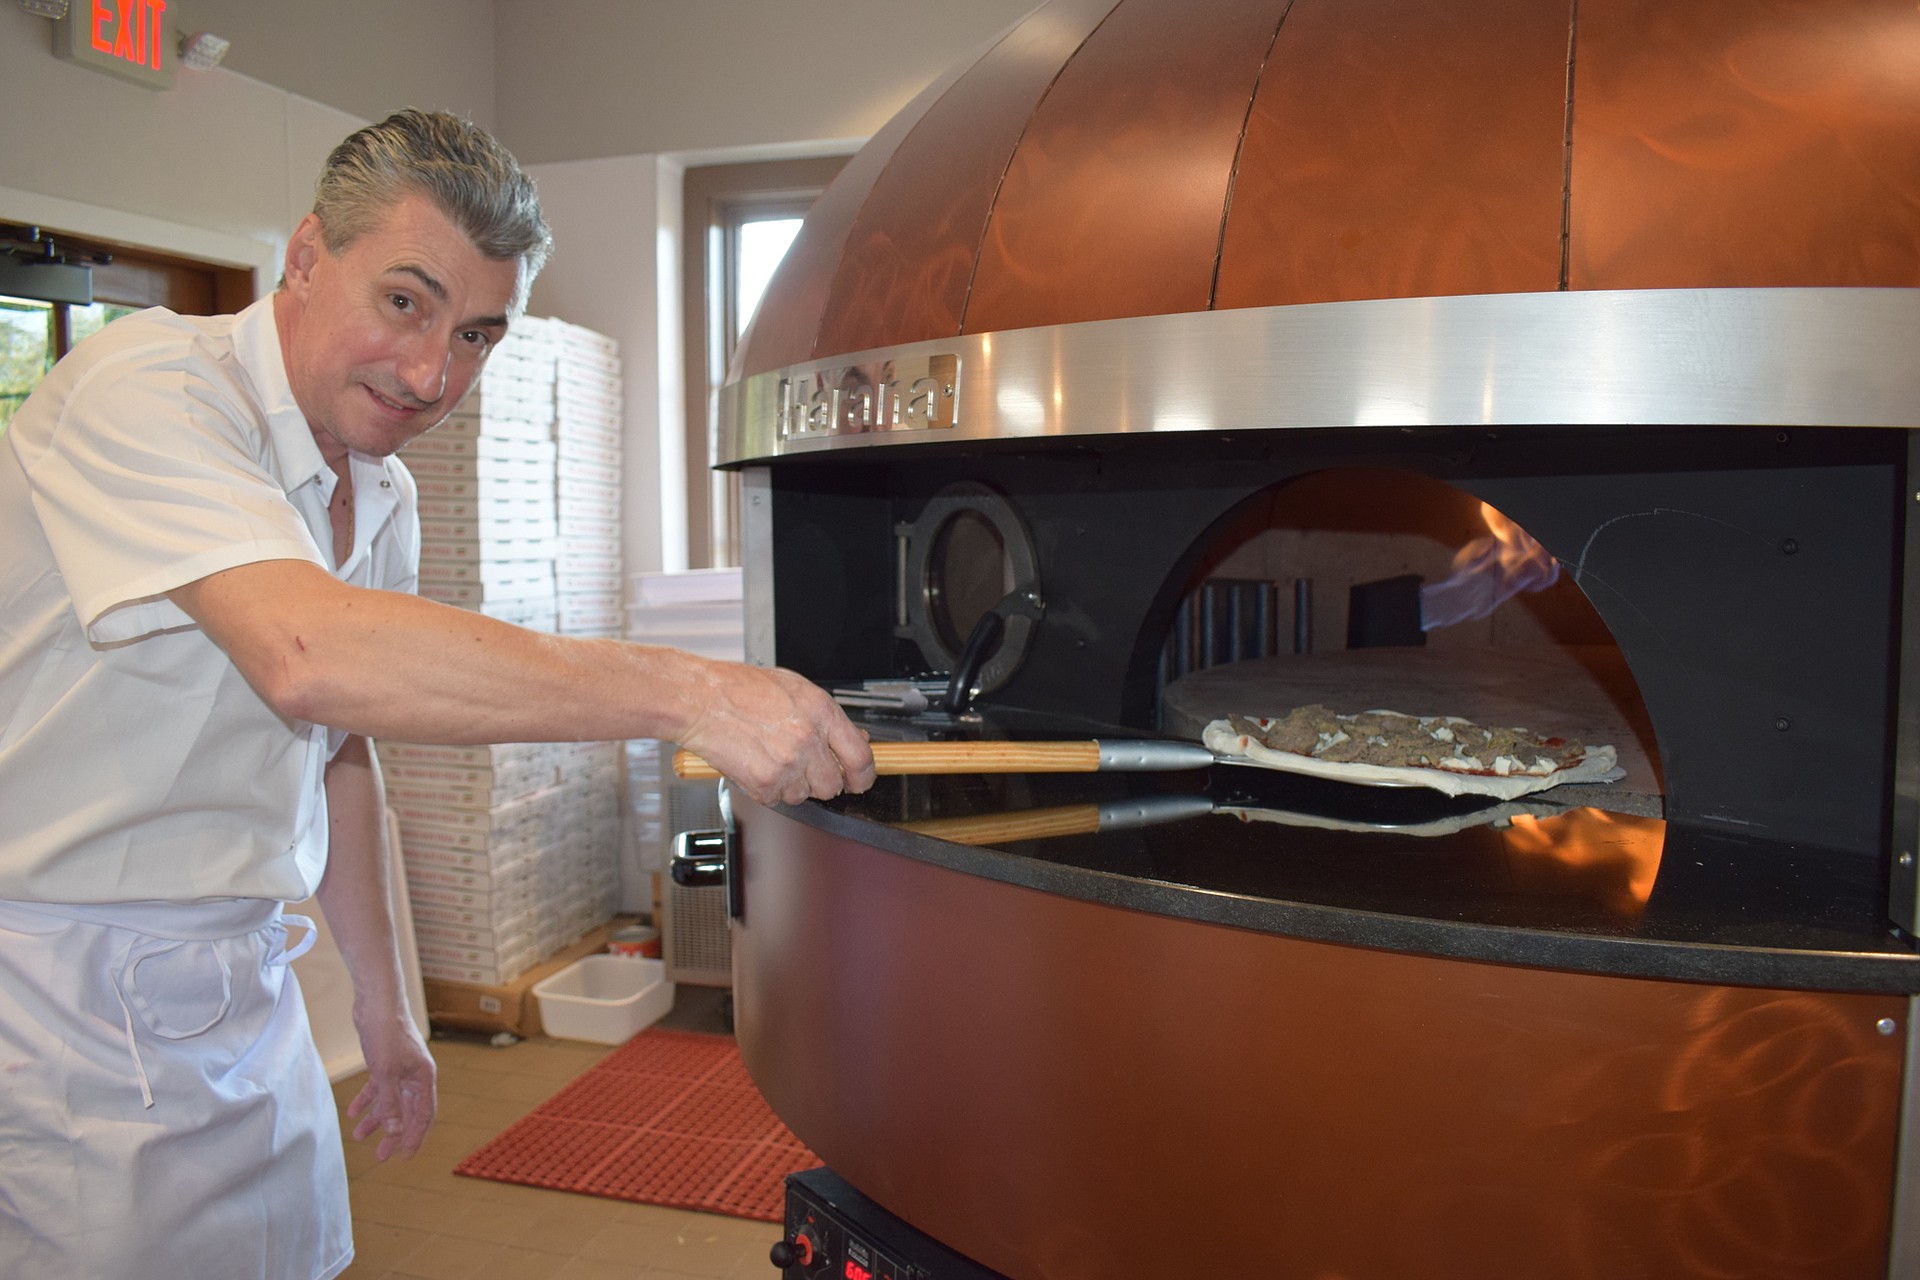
[669,1118]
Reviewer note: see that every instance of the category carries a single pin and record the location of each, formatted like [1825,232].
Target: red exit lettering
[135,30]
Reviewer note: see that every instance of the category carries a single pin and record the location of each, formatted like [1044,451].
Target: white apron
[163,1112]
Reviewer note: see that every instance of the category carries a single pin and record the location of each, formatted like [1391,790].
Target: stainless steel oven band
[1726,357]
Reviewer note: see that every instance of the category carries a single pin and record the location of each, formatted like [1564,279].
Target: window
[760,242]
[34,334]
[26,350]
[739,221]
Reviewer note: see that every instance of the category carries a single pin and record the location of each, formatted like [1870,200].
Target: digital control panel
[833,1232]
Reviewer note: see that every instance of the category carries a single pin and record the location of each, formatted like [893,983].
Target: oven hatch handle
[703,859]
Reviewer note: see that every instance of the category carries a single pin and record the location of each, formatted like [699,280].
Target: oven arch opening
[1315,588]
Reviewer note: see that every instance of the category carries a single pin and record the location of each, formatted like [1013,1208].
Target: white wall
[368,58]
[585,78]
[616,231]
[220,167]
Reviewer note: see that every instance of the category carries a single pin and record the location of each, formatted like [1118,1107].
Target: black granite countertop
[1409,870]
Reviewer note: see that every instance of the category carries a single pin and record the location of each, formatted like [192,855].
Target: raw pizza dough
[1505,778]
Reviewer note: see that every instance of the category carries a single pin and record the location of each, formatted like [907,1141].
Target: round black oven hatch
[968,555]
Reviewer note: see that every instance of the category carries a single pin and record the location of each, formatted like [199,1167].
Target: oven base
[1062,1088]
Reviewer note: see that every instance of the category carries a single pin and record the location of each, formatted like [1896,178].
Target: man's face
[383,340]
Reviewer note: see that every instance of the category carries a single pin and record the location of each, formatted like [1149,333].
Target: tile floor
[415,1219]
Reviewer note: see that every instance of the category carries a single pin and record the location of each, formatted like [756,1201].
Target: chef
[207,554]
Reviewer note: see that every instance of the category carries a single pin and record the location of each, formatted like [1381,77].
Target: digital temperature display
[855,1271]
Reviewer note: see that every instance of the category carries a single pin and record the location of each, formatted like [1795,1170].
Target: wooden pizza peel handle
[920,759]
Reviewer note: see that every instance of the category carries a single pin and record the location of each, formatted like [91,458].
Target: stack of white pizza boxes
[586,436]
[494,866]
[489,533]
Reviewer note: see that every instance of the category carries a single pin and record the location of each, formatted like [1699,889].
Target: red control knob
[797,1252]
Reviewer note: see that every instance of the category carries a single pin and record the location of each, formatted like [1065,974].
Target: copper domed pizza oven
[1165,362]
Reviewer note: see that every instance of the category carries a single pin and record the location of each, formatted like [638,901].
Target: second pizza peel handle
[920,759]
[999,828]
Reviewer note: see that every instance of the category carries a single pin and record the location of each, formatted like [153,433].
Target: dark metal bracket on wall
[33,265]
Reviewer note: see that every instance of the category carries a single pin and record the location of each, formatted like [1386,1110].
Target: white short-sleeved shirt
[136,763]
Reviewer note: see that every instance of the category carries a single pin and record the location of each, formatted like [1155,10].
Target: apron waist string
[281,955]
[133,1048]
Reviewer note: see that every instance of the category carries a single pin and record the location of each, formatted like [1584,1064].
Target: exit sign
[126,38]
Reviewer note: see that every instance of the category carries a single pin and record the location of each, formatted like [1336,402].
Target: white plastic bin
[605,999]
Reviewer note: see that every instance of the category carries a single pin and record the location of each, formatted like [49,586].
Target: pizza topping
[1393,740]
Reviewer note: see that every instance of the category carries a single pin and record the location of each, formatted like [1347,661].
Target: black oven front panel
[1748,578]
[835,1233]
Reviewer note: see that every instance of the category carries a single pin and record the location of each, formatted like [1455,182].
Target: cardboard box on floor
[509,1006]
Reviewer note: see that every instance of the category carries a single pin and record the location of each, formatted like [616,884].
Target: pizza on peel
[1392,749]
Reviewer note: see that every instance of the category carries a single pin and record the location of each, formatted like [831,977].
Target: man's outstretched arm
[389,665]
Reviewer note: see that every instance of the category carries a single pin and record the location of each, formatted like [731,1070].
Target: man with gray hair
[206,613]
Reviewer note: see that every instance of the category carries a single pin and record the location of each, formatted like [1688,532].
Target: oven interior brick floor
[416,1219]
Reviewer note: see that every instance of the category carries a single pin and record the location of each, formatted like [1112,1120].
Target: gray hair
[473,180]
